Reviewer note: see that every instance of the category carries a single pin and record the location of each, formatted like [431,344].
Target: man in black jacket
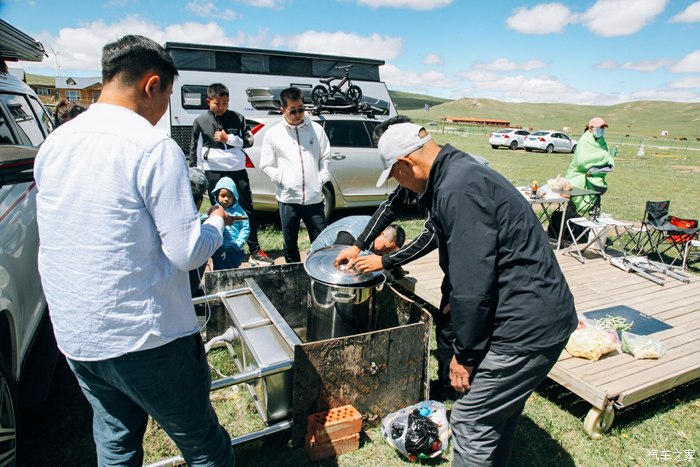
[510,306]
[218,138]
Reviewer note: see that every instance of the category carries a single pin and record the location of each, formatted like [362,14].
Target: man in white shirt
[119,232]
[295,155]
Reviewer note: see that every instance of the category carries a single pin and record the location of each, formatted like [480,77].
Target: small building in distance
[478,121]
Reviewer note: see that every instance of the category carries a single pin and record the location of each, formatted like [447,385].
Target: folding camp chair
[660,233]
[693,243]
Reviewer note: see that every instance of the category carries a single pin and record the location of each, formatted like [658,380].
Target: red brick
[334,447]
[334,423]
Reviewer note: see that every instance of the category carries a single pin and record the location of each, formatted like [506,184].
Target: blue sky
[582,52]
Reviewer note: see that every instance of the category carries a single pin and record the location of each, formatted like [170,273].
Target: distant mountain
[640,118]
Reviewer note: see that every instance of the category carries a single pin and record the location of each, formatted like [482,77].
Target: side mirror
[16,164]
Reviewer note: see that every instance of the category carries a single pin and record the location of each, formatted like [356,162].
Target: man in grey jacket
[295,155]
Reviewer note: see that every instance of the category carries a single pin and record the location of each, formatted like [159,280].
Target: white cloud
[432,59]
[273,4]
[81,48]
[647,65]
[610,18]
[342,43]
[545,18]
[209,10]
[521,88]
[505,64]
[397,78]
[665,95]
[685,83]
[412,4]
[606,65]
[688,64]
[689,15]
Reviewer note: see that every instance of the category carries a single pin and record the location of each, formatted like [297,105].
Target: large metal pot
[343,301]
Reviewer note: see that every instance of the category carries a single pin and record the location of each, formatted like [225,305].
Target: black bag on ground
[421,433]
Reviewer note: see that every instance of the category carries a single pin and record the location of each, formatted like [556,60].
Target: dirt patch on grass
[693,169]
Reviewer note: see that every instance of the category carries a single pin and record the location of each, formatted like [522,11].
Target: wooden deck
[616,380]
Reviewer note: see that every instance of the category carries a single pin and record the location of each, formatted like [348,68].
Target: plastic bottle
[533,190]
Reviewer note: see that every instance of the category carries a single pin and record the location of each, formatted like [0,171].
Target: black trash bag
[421,434]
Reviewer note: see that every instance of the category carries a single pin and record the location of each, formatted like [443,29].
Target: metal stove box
[378,372]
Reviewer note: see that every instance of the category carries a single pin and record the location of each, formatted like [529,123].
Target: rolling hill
[647,118]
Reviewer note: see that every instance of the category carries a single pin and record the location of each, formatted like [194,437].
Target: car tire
[494,146]
[8,415]
[550,149]
[513,145]
[573,149]
[328,202]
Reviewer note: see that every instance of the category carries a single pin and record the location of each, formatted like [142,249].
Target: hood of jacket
[226,182]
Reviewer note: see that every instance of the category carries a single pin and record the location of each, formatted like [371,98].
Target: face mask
[598,132]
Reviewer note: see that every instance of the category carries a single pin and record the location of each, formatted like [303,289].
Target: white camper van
[255,77]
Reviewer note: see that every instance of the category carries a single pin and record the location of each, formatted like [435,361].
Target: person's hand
[367,263]
[459,375]
[220,136]
[446,310]
[346,255]
[218,211]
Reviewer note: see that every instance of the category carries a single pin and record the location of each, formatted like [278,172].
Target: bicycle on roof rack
[323,92]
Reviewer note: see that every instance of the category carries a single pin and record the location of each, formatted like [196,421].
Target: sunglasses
[300,110]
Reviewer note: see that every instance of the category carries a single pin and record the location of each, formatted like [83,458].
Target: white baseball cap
[399,140]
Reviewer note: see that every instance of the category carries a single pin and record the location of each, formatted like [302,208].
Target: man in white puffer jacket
[295,155]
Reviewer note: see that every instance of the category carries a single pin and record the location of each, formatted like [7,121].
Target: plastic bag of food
[419,431]
[559,184]
[590,341]
[642,346]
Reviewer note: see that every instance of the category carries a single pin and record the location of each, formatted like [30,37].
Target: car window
[44,117]
[348,134]
[21,112]
[370,129]
[5,133]
[563,136]
[522,133]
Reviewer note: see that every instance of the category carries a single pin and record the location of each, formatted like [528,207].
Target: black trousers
[444,336]
[291,216]
[245,200]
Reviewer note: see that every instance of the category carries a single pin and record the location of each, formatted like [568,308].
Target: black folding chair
[661,233]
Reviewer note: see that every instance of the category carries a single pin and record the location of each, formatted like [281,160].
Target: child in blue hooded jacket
[230,254]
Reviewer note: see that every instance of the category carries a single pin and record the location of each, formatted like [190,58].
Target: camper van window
[194,96]
[289,66]
[228,62]
[255,63]
[5,133]
[193,59]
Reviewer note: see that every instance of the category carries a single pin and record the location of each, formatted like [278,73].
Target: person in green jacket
[591,163]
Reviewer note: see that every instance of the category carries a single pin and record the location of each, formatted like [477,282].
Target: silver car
[549,141]
[355,164]
[510,137]
[27,349]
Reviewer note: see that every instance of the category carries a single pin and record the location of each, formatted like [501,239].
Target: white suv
[355,163]
[24,324]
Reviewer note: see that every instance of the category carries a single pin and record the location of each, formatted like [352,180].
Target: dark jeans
[172,384]
[291,216]
[245,200]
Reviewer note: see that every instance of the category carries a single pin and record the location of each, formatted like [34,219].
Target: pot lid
[319,265]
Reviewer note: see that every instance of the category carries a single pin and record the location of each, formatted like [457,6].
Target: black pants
[291,216]
[245,200]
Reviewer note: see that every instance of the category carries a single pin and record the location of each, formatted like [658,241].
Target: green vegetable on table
[618,323]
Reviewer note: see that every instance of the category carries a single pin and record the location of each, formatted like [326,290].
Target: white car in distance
[509,137]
